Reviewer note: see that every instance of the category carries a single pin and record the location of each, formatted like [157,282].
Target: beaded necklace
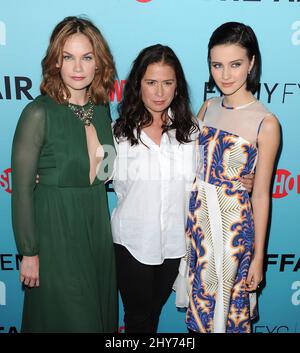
[84,115]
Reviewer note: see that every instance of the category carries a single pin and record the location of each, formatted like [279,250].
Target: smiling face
[78,64]
[158,87]
[229,65]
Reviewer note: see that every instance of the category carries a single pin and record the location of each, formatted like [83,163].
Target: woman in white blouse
[153,176]
[152,179]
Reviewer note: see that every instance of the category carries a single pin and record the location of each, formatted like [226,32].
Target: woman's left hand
[255,275]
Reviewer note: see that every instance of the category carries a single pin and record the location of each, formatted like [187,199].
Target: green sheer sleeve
[27,144]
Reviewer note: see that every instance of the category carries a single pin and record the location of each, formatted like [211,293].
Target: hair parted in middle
[244,36]
[103,82]
[133,115]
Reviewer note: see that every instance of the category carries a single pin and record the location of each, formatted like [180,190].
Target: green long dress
[64,219]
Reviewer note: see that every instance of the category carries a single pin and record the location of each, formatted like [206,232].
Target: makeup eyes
[150,83]
[88,58]
[234,65]
[165,83]
[67,57]
[169,83]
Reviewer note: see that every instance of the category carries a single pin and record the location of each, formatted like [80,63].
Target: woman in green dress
[62,225]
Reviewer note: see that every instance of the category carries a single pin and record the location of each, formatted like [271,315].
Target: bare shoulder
[201,113]
[270,124]
[270,132]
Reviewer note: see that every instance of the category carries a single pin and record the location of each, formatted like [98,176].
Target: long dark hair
[244,36]
[132,113]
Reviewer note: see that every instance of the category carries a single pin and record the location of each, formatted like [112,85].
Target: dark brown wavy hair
[103,82]
[132,112]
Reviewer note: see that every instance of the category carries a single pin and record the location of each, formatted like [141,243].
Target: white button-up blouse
[153,184]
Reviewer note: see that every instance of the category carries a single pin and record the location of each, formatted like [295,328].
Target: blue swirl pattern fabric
[221,228]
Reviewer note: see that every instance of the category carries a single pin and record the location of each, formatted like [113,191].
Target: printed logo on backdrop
[19,86]
[273,329]
[296,35]
[2,33]
[296,293]
[15,87]
[117,93]
[2,293]
[10,262]
[5,180]
[282,262]
[10,329]
[285,183]
[268,92]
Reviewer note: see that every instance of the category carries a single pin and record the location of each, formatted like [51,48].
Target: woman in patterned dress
[227,231]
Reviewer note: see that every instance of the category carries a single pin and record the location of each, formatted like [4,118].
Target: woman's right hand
[29,273]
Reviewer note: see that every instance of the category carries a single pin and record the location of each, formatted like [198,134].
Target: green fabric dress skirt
[64,220]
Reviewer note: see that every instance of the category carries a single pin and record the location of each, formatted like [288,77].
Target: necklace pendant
[87,121]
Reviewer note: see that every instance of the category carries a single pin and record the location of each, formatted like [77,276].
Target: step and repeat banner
[184,25]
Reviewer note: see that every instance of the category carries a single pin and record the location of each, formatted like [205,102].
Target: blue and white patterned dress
[221,229]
